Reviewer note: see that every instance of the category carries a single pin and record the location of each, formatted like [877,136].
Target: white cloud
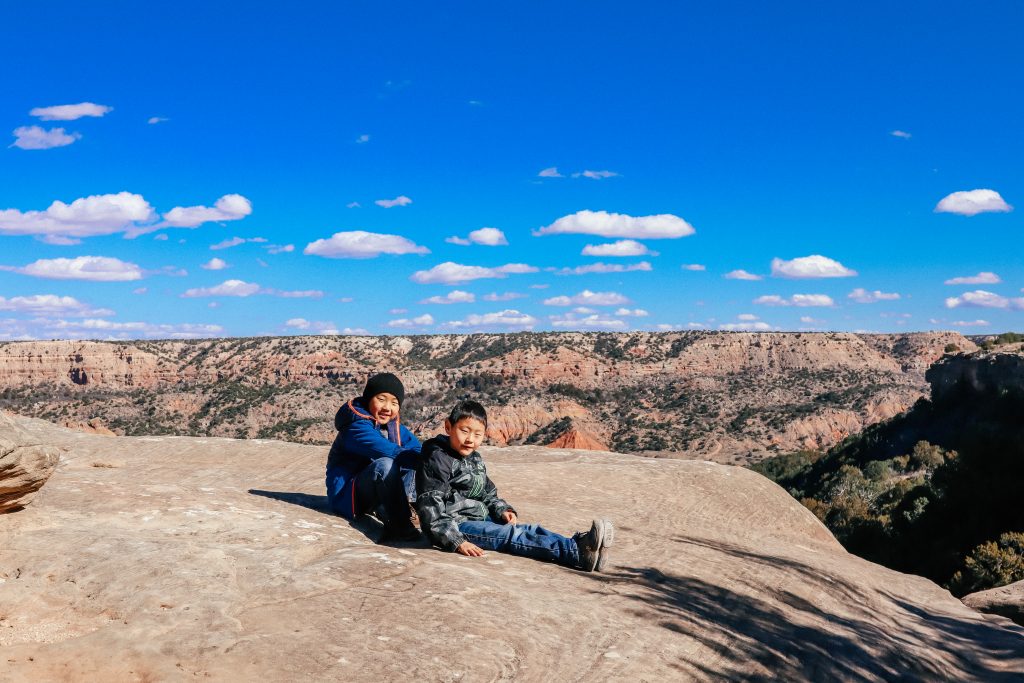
[506,296]
[741,275]
[279,248]
[540,286]
[509,319]
[140,290]
[51,304]
[297,323]
[550,173]
[235,241]
[972,202]
[354,332]
[99,328]
[34,137]
[863,296]
[589,322]
[95,268]
[397,311]
[320,326]
[900,134]
[490,237]
[747,317]
[759,326]
[59,240]
[971,323]
[665,327]
[162,237]
[400,200]
[602,268]
[295,294]
[632,313]
[802,300]
[215,264]
[449,273]
[362,139]
[982,299]
[982,278]
[156,119]
[604,224]
[814,266]
[693,266]
[618,248]
[230,207]
[359,244]
[226,288]
[808,320]
[90,216]
[353,205]
[420,321]
[456,296]
[596,175]
[588,298]
[70,112]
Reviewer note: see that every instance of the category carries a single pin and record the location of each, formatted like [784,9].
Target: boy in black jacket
[460,510]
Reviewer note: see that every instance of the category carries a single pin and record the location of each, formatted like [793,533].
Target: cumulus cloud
[632,313]
[900,134]
[51,305]
[84,217]
[972,202]
[400,200]
[741,274]
[59,240]
[449,273]
[983,299]
[279,248]
[693,266]
[92,328]
[235,241]
[226,288]
[215,264]
[353,205]
[70,112]
[795,300]
[595,175]
[419,321]
[602,268]
[509,319]
[506,296]
[95,268]
[759,326]
[588,298]
[456,296]
[595,321]
[153,120]
[971,323]
[318,326]
[551,172]
[747,317]
[618,248]
[604,224]
[863,296]
[806,267]
[230,207]
[294,294]
[490,237]
[359,244]
[34,137]
[982,278]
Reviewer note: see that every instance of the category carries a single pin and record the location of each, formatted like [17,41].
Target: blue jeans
[527,540]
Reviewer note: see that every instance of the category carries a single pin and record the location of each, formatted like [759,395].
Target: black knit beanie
[385,382]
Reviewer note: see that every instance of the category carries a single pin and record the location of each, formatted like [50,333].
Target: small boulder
[24,465]
[1006,601]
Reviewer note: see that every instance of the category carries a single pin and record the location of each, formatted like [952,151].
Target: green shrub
[991,564]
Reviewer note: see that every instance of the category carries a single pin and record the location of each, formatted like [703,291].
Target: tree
[991,564]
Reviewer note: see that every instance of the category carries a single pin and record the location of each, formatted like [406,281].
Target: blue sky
[798,166]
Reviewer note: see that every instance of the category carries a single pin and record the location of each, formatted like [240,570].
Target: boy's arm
[495,505]
[432,488]
[363,437]
[409,440]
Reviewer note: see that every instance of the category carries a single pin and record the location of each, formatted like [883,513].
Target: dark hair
[464,409]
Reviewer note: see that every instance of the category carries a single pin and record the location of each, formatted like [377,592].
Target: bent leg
[379,487]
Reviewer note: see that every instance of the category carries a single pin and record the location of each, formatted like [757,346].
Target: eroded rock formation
[25,465]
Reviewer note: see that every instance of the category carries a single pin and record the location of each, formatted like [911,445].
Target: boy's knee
[382,467]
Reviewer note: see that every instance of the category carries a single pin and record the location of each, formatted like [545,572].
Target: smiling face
[466,435]
[383,408]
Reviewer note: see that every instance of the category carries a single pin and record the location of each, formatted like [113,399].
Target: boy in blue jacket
[371,466]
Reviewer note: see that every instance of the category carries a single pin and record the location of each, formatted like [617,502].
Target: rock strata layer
[175,558]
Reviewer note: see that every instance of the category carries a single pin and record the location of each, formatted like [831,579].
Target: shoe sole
[607,539]
[597,529]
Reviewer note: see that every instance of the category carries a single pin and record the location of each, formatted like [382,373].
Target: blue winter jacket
[360,441]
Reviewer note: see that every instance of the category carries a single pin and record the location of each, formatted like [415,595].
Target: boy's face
[383,407]
[466,435]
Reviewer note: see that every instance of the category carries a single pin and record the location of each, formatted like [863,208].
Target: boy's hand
[509,517]
[469,550]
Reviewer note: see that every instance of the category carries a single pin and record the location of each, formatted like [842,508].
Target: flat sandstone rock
[1007,601]
[174,558]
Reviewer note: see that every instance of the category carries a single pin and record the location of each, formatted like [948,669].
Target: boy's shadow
[367,525]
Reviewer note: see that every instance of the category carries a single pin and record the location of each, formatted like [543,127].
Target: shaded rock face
[1006,601]
[215,559]
[726,396]
[980,373]
[24,465]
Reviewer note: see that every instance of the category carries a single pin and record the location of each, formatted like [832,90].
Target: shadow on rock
[775,634]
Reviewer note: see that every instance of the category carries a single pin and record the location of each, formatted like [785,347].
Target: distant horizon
[197,171]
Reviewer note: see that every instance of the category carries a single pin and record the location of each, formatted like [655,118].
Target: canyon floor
[177,558]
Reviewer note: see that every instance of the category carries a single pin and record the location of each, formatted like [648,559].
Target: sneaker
[401,532]
[589,545]
[606,542]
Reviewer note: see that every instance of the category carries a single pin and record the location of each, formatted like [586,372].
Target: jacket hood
[350,412]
